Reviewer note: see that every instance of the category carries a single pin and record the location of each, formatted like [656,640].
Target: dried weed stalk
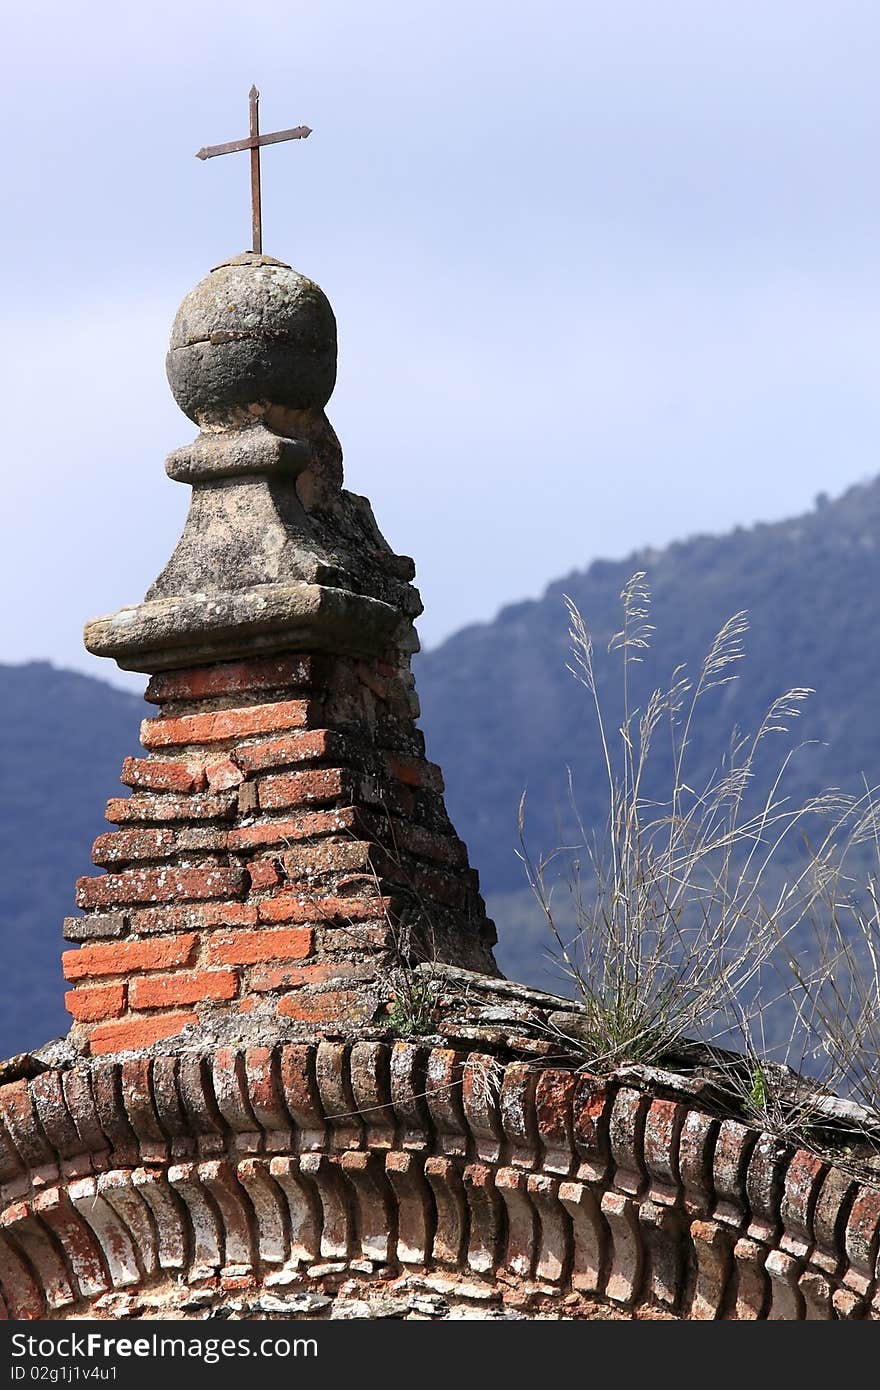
[677,908]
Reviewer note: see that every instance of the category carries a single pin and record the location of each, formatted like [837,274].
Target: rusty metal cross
[253,143]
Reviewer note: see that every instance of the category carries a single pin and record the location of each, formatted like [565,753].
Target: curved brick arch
[178,1181]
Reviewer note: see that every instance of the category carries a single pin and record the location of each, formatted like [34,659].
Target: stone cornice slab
[169,633]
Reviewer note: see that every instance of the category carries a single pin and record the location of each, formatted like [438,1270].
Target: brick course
[301,788]
[88,1005]
[157,991]
[133,1033]
[231,678]
[129,957]
[223,725]
[162,776]
[121,810]
[313,745]
[246,947]
[292,907]
[158,885]
[304,827]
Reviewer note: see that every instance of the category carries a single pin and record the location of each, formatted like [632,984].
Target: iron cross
[253,143]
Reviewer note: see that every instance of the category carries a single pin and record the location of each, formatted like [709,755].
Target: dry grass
[833,974]
[678,912]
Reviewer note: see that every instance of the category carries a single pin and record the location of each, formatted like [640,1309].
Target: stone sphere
[253,332]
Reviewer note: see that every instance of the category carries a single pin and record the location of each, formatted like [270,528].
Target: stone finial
[275,554]
[254,337]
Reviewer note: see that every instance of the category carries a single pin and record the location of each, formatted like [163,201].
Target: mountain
[501,714]
[62,740]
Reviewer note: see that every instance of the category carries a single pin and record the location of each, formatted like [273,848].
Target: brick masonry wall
[277,1180]
[285,840]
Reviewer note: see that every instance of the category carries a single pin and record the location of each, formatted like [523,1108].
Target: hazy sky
[605,274]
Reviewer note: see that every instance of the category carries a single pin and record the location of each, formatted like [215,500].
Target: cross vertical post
[256,204]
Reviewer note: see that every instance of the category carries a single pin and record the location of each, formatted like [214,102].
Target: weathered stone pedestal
[285,848]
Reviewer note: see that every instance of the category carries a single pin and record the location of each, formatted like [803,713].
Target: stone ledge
[237,453]
[172,633]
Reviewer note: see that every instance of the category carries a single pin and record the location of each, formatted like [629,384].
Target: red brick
[131,1034]
[247,947]
[433,883]
[95,1002]
[276,832]
[197,839]
[218,726]
[311,745]
[158,885]
[128,846]
[264,874]
[163,808]
[372,680]
[359,936]
[336,1006]
[265,1093]
[228,914]
[301,788]
[127,957]
[428,844]
[191,916]
[393,833]
[292,907]
[267,977]
[355,885]
[231,678]
[451,889]
[157,991]
[121,846]
[158,775]
[331,856]
[223,774]
[415,772]
[96,926]
[388,795]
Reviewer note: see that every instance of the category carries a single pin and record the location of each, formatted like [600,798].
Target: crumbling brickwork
[284,846]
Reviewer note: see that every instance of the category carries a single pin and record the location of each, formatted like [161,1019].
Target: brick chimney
[285,847]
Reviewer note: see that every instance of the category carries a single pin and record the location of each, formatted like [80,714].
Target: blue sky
[606,274]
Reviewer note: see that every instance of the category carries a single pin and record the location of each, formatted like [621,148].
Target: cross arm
[300,132]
